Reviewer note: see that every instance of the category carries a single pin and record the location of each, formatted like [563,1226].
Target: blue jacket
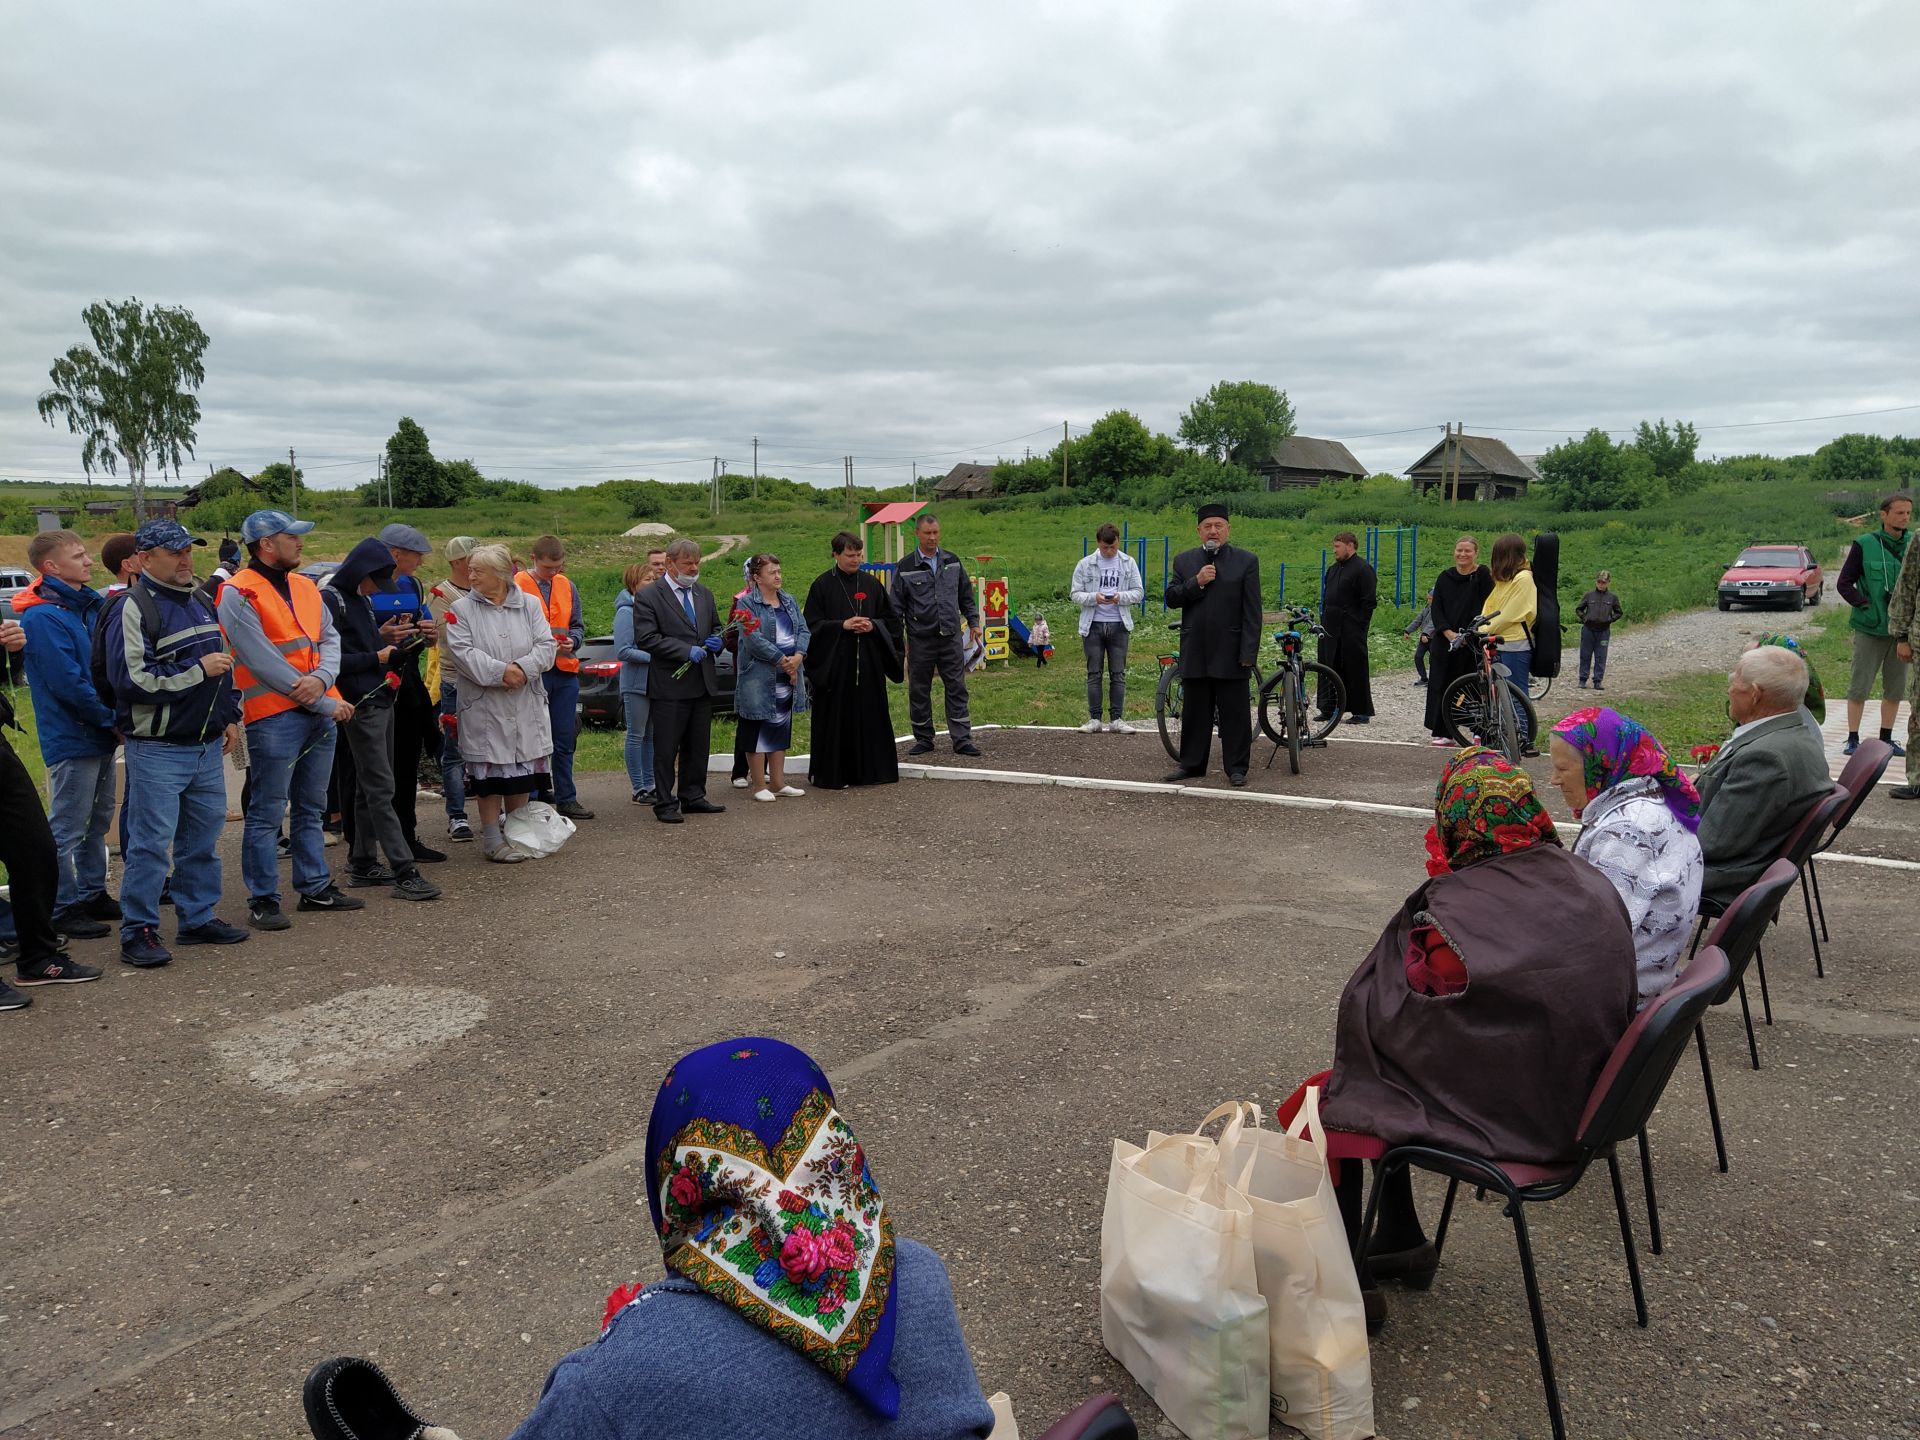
[160,690]
[59,620]
[633,660]
[760,657]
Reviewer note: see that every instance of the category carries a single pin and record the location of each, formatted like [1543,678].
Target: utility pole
[293,482]
[1063,454]
[756,467]
[714,485]
[1459,434]
[849,464]
[916,479]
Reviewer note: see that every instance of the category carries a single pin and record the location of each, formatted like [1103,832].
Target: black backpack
[1546,619]
[149,621]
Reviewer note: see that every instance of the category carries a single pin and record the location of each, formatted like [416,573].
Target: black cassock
[1346,610]
[852,728]
[1457,599]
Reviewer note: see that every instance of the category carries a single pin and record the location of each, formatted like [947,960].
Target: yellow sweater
[1516,602]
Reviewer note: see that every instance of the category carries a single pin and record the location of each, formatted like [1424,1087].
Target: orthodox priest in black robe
[1347,601]
[1216,588]
[855,653]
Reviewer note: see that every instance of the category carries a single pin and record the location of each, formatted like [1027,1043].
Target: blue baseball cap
[164,535]
[264,523]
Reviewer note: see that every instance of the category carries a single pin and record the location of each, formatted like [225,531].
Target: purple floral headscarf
[1614,748]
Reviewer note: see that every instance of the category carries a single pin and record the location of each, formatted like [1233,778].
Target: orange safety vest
[559,613]
[294,631]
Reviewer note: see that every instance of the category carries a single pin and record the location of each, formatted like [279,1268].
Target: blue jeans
[563,713]
[1593,653]
[80,808]
[639,744]
[176,806]
[279,771]
[453,774]
[1519,665]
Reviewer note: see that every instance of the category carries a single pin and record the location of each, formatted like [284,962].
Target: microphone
[1212,547]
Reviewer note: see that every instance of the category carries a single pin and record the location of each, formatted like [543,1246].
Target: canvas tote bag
[1321,1375]
[1180,1302]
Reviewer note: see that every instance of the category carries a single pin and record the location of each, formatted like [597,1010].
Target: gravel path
[1641,656]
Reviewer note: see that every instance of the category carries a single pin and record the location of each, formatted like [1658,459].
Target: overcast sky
[579,244]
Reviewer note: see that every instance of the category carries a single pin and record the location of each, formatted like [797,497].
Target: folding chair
[1798,851]
[1861,774]
[1618,1109]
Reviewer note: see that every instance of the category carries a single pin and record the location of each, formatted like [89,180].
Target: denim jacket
[633,660]
[760,657]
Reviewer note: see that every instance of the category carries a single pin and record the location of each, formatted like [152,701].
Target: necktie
[686,603]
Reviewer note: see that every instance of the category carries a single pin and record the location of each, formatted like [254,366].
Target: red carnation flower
[860,595]
[393,680]
[618,1301]
[452,619]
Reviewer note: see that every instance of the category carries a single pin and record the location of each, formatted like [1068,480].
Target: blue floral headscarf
[762,1197]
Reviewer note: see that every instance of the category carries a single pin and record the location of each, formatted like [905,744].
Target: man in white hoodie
[1106,586]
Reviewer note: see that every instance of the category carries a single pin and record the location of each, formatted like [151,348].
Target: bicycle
[1485,707]
[1538,686]
[1169,697]
[1285,706]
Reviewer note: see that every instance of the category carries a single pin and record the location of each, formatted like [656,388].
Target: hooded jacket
[59,620]
[361,669]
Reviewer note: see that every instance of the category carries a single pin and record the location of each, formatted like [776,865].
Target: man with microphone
[1219,589]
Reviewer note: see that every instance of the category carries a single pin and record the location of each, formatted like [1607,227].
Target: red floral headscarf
[1484,806]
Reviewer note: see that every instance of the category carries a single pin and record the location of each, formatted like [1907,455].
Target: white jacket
[499,726]
[1086,588]
[1629,835]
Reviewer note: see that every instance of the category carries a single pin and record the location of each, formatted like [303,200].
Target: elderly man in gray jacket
[1765,778]
[935,599]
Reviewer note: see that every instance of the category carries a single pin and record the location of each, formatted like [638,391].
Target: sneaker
[644,797]
[1853,744]
[1419,684]
[767,795]
[919,747]
[77,924]
[741,782]
[266,914]
[1121,727]
[425,854]
[1092,727]
[1598,686]
[327,837]
[371,875]
[458,830]
[574,810]
[56,970]
[285,847]
[1440,742]
[415,886]
[331,898]
[12,999]
[215,932]
[1904,792]
[102,907]
[789,792]
[1583,684]
[1899,750]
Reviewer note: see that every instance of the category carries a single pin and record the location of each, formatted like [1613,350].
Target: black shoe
[285,847]
[267,915]
[415,886]
[644,797]
[12,999]
[75,923]
[1174,777]
[1359,719]
[1320,717]
[1375,1305]
[56,970]
[144,949]
[331,898]
[371,875]
[166,893]
[1412,1267]
[1238,779]
[425,854]
[102,907]
[702,807]
[348,1399]
[967,747]
[574,810]
[215,932]
[669,815]
[920,747]
[1904,792]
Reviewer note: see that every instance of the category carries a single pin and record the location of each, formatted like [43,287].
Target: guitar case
[1546,580]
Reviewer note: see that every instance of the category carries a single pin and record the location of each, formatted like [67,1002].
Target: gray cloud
[568,244]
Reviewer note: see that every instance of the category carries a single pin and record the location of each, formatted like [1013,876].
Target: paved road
[415,1132]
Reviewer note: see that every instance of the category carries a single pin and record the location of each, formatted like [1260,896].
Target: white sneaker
[1121,727]
[740,784]
[789,792]
[1092,727]
[765,795]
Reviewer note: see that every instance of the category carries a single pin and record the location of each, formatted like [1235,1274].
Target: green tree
[1239,421]
[1593,473]
[1669,448]
[418,481]
[224,481]
[1117,449]
[1856,461]
[273,487]
[129,395]
[462,478]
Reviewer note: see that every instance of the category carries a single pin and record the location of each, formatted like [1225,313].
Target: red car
[1773,575]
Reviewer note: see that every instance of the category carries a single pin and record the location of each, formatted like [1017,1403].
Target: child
[1423,622]
[1039,640]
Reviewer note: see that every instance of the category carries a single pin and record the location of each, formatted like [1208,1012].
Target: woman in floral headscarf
[1638,817]
[789,1308]
[1486,1010]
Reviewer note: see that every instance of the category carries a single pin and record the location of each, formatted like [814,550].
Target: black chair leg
[1806,898]
[1766,1000]
[1653,1204]
[1746,1014]
[1446,1217]
[1540,1344]
[1819,905]
[1367,1222]
[1713,1105]
[1626,1239]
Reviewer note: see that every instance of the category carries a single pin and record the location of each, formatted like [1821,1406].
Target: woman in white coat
[500,645]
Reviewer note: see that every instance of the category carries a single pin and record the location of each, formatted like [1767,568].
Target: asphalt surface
[414,1133]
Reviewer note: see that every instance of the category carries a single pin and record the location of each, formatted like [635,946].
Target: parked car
[1773,575]
[13,668]
[600,683]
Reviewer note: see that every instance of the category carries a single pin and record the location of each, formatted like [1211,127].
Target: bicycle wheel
[1322,680]
[1526,718]
[1293,713]
[1463,710]
[1272,722]
[1538,686]
[1167,700]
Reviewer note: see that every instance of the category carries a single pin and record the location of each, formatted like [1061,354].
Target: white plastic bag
[536,829]
[1180,1302]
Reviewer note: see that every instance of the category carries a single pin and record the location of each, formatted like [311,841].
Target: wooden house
[1300,461]
[1488,470]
